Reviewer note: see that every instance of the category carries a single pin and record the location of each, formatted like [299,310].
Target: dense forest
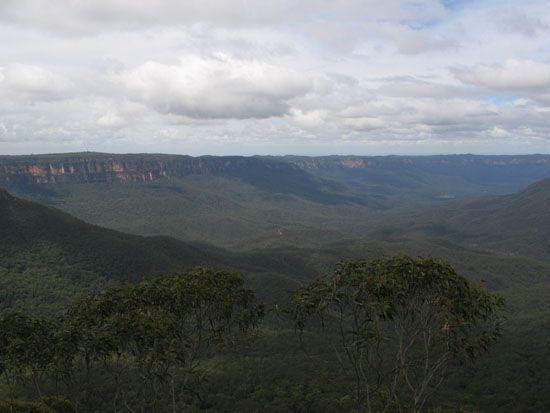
[150,346]
[291,300]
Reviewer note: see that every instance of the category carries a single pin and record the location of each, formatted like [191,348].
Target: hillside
[264,174]
[421,179]
[48,256]
[512,225]
[251,202]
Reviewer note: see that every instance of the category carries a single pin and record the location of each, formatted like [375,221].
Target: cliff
[85,168]
[264,171]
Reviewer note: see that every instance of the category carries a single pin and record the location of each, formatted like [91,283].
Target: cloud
[410,41]
[522,78]
[512,75]
[172,75]
[518,21]
[32,83]
[214,87]
[84,16]
[408,86]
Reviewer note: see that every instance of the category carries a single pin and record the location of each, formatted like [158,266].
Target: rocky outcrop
[96,167]
[86,168]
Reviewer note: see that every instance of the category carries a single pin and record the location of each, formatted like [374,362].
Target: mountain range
[76,223]
[243,202]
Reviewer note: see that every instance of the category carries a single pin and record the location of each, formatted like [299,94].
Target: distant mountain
[251,202]
[327,179]
[227,201]
[265,174]
[442,176]
[514,224]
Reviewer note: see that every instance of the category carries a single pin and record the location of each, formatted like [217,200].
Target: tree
[160,328]
[397,324]
[26,349]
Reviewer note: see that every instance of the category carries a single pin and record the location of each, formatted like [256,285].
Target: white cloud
[255,76]
[84,16]
[499,132]
[512,75]
[520,78]
[214,87]
[518,21]
[33,83]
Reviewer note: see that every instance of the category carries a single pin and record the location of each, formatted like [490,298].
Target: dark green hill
[512,225]
[48,256]
[250,202]
[424,178]
[27,226]
[268,175]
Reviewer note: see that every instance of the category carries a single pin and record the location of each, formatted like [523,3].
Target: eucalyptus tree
[26,350]
[161,330]
[397,324]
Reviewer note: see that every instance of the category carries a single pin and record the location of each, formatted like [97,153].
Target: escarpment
[87,168]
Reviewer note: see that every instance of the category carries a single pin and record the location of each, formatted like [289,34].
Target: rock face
[97,167]
[514,171]
[85,168]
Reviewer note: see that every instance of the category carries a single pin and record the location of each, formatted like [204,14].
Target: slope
[512,225]
[47,257]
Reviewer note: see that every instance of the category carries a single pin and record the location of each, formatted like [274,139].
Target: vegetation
[282,239]
[398,324]
[146,346]
[138,346]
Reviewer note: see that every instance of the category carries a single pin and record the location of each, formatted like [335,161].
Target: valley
[79,224]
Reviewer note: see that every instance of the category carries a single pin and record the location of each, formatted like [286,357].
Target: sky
[310,77]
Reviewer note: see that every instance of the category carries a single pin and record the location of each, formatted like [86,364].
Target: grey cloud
[83,16]
[214,87]
[412,87]
[518,21]
[524,78]
[33,83]
[412,42]
[106,74]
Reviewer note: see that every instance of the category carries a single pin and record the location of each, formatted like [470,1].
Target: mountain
[28,226]
[506,170]
[250,202]
[47,257]
[264,174]
[289,220]
[513,225]
[317,178]
[424,178]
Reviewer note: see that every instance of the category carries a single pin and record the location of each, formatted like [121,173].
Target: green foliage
[399,323]
[149,339]
[48,258]
[42,405]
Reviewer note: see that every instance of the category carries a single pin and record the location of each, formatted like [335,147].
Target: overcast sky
[275,76]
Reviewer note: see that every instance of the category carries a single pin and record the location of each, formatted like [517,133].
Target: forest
[397,324]
[334,300]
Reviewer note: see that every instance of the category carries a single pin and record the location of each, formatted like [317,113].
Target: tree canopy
[397,324]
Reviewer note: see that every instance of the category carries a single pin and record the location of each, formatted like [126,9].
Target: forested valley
[270,285]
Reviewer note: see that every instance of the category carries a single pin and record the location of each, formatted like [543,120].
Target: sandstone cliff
[124,168]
